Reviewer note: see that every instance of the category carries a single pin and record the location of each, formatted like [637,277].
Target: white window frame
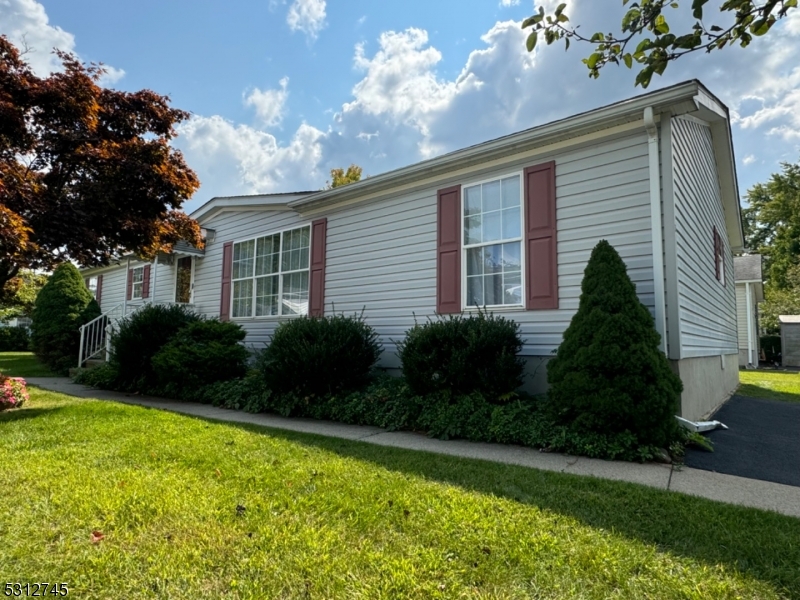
[280,273]
[494,307]
[91,285]
[134,283]
[191,281]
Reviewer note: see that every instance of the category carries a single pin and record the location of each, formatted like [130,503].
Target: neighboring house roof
[789,318]
[683,98]
[747,268]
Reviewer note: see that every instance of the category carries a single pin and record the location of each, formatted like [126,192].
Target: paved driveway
[762,442]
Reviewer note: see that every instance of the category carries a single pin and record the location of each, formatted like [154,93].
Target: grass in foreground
[772,385]
[22,364]
[192,508]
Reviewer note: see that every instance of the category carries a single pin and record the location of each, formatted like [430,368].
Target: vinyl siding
[741,316]
[706,307]
[231,227]
[382,255]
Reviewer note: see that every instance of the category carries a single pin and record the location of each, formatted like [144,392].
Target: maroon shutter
[146,282]
[98,295]
[225,288]
[448,251]
[129,292]
[316,285]
[716,253]
[541,273]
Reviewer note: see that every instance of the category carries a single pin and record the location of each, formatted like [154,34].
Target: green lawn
[192,508]
[22,364]
[773,385]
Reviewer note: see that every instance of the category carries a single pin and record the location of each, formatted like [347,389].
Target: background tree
[18,296]
[86,172]
[341,177]
[62,306]
[609,376]
[645,25]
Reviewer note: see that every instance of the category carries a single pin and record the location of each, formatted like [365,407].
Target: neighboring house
[749,292]
[790,340]
[509,224]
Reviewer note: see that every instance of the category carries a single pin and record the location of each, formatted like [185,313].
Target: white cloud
[27,25]
[238,159]
[507,3]
[269,104]
[749,159]
[307,16]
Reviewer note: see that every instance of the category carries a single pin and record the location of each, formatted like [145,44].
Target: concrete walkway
[765,495]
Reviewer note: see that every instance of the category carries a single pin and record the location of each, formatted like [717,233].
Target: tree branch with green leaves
[658,45]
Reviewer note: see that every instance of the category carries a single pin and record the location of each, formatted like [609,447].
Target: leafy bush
[609,379]
[14,339]
[247,393]
[201,353]
[139,338]
[62,306]
[13,392]
[462,355]
[310,357]
[771,345]
[103,376]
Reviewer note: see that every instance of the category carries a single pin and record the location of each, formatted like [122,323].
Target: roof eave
[677,99]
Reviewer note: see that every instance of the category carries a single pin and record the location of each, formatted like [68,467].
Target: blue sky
[281,91]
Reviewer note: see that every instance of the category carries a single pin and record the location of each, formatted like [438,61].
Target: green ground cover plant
[127,502]
[772,385]
[23,364]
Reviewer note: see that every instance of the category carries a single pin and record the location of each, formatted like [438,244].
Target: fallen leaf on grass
[96,537]
[218,472]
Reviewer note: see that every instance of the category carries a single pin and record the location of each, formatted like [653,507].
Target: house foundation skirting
[708,382]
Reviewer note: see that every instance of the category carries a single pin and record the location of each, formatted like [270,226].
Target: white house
[749,292]
[509,223]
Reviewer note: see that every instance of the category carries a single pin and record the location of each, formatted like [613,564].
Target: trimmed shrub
[462,355]
[62,306]
[202,353]
[103,376]
[14,339]
[771,345]
[139,338]
[248,394]
[310,357]
[609,377]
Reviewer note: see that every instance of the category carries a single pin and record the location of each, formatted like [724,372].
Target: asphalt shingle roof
[747,268]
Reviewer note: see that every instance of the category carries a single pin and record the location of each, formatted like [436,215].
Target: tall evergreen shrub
[609,376]
[62,306]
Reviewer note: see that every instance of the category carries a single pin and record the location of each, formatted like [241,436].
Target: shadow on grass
[757,391]
[16,415]
[758,543]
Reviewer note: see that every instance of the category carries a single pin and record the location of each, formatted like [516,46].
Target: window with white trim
[137,283]
[492,244]
[270,274]
[91,284]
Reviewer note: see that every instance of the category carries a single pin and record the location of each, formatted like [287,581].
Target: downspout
[749,325]
[656,226]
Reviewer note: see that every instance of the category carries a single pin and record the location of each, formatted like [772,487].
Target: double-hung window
[270,274]
[492,217]
[91,283]
[137,283]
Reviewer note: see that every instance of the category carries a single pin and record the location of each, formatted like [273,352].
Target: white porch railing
[96,334]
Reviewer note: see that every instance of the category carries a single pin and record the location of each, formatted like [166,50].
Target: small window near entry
[492,215]
[137,282]
[91,283]
[183,282]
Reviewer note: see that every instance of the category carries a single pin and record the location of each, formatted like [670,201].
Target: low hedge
[15,339]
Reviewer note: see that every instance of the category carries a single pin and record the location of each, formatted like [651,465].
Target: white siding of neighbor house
[115,282]
[381,256]
[707,308]
[232,226]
